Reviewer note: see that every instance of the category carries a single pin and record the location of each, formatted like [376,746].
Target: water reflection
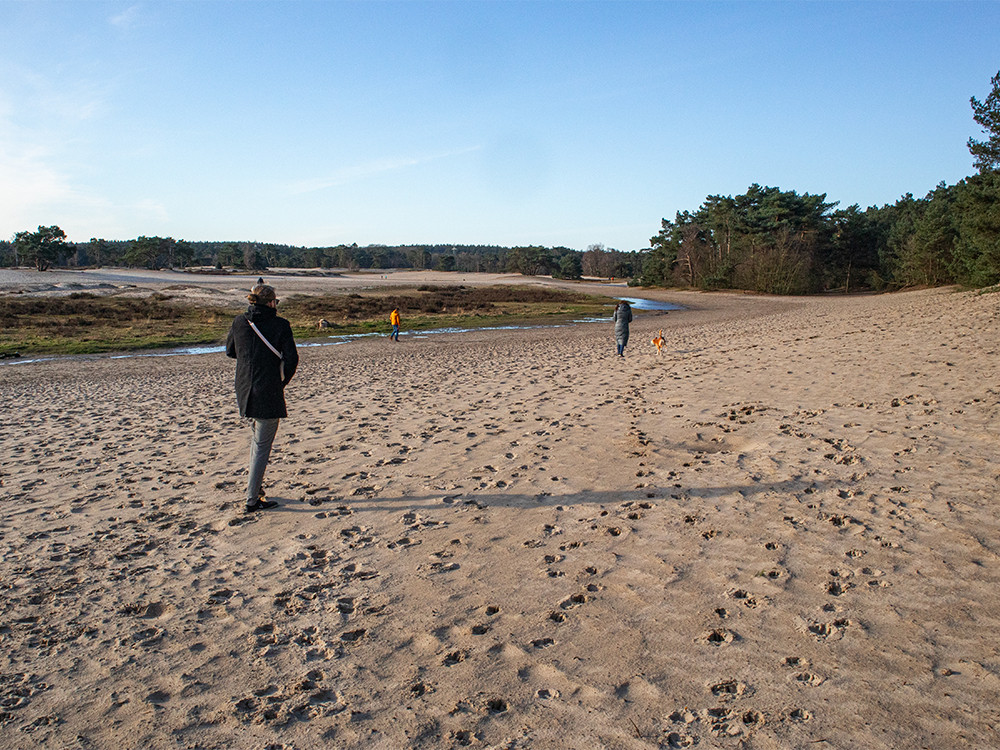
[650,304]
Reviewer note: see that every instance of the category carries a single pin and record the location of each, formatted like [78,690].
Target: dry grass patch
[83,322]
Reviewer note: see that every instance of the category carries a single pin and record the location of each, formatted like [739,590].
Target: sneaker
[261,504]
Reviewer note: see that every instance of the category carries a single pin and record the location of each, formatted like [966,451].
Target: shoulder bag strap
[268,343]
[281,360]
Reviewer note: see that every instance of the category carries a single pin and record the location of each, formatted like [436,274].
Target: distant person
[394,320]
[266,358]
[622,317]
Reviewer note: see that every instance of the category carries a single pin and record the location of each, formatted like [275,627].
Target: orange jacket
[394,317]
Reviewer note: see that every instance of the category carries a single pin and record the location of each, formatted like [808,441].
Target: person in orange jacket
[394,319]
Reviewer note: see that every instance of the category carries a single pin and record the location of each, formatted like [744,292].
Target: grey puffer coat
[622,317]
[260,391]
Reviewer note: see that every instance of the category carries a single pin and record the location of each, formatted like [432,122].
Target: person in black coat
[264,349]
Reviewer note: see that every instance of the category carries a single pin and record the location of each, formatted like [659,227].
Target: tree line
[779,242]
[47,247]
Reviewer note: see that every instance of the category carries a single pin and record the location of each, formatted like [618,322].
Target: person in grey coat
[622,317]
[264,349]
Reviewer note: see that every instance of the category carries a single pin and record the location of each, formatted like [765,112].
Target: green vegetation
[429,307]
[41,248]
[166,252]
[986,154]
[84,323]
[778,242]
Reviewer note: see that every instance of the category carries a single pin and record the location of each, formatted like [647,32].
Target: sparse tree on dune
[42,248]
[986,154]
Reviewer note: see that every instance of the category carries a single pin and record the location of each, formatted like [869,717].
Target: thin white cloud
[34,193]
[28,187]
[42,101]
[127,19]
[350,174]
[39,122]
[37,187]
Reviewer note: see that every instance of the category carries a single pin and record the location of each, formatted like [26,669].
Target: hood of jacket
[258,313]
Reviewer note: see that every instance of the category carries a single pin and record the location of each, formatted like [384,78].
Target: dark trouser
[261,438]
[621,338]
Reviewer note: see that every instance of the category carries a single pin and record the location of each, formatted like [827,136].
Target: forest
[47,247]
[766,240]
[778,242]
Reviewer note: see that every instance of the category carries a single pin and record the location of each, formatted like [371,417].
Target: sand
[782,533]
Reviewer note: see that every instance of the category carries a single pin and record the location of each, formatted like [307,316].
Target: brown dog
[658,342]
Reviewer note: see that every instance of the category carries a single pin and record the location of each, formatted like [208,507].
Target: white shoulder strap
[269,344]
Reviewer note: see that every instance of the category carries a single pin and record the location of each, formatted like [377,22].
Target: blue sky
[477,122]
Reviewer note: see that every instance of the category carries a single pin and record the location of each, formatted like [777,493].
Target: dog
[323,323]
[658,342]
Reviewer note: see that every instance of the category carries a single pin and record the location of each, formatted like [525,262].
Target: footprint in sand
[718,637]
[574,601]
[744,597]
[147,637]
[829,630]
[403,543]
[729,690]
[418,689]
[351,570]
[837,587]
[683,716]
[353,636]
[443,567]
[723,722]
[810,679]
[220,596]
[681,739]
[304,700]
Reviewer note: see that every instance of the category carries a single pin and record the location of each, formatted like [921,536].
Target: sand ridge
[781,533]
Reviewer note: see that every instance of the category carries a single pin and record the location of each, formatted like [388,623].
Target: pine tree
[987,115]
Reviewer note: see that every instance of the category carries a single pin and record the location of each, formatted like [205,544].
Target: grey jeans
[261,438]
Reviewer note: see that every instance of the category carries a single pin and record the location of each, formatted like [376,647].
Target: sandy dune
[780,534]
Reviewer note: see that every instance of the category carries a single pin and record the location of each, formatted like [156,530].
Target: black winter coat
[259,388]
